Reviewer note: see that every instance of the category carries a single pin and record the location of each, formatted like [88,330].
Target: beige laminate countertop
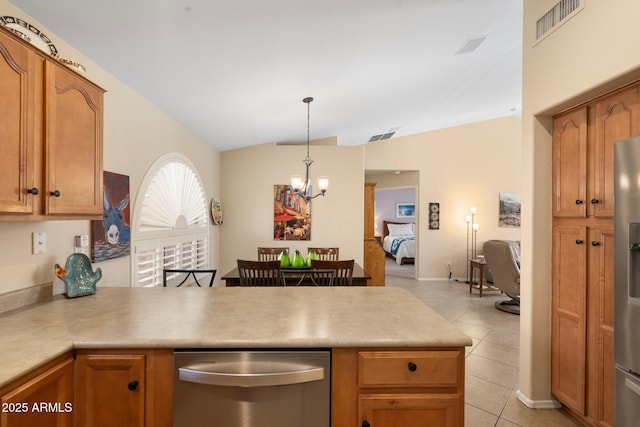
[282,317]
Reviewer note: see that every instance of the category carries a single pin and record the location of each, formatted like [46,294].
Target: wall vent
[556,16]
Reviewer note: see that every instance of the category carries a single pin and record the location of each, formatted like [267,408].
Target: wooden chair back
[326,254]
[270,254]
[259,273]
[343,269]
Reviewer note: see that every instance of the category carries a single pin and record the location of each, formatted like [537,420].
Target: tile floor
[492,362]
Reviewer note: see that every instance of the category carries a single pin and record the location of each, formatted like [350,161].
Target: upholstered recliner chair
[503,263]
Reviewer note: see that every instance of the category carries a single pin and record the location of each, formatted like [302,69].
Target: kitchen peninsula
[374,335]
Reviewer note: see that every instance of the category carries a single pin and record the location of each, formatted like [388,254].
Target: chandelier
[302,186]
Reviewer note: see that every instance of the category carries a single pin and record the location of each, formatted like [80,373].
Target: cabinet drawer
[409,368]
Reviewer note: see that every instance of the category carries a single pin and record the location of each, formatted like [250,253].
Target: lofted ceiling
[235,71]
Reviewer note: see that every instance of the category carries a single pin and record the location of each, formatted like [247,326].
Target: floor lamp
[472,229]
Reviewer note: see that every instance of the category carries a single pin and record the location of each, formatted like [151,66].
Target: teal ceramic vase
[78,275]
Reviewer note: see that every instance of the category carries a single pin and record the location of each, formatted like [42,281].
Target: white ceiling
[235,71]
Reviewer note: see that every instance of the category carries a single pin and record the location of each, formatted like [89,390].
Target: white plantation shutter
[172,226]
[174,193]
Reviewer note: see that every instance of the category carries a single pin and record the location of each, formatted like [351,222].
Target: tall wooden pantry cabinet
[582,364]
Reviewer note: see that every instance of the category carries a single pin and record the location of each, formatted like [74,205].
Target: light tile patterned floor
[492,362]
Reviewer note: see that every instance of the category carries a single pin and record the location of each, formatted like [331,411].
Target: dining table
[300,276]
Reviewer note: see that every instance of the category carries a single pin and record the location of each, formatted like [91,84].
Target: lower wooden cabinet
[398,387]
[126,388]
[401,410]
[582,365]
[42,398]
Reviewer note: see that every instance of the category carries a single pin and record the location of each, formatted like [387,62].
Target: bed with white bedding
[399,241]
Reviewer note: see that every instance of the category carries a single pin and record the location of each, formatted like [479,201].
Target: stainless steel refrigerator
[627,282]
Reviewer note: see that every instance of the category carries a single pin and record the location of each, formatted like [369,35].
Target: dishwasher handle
[259,374]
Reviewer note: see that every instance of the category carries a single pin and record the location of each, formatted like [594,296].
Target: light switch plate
[39,243]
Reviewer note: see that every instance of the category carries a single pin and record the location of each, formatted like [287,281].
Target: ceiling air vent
[556,16]
[470,45]
[383,136]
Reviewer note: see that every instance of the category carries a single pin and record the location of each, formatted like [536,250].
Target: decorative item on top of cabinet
[52,137]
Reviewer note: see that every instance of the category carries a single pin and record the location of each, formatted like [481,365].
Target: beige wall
[247,180]
[458,167]
[590,54]
[135,134]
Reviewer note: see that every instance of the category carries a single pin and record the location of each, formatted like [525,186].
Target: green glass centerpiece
[298,260]
[284,259]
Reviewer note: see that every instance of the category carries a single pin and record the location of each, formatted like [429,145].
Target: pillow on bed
[400,229]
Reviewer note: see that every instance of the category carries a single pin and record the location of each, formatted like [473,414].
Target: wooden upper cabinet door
[73,143]
[570,164]
[616,119]
[18,71]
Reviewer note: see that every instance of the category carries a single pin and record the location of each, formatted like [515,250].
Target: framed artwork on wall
[509,210]
[110,238]
[216,211]
[291,215]
[434,216]
[405,210]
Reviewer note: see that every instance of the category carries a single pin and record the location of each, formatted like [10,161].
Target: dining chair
[343,269]
[259,273]
[326,254]
[169,274]
[270,254]
[322,277]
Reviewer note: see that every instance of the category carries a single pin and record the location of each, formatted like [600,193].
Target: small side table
[480,265]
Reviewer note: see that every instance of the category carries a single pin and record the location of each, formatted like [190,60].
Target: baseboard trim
[538,404]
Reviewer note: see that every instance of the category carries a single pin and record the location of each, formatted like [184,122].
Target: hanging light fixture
[302,186]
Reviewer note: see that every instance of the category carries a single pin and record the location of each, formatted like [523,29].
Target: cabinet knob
[595,243]
[133,385]
[579,242]
[595,201]
[55,193]
[33,191]
[365,423]
[579,202]
[412,366]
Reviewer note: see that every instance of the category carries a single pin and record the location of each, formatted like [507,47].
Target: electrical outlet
[448,263]
[81,241]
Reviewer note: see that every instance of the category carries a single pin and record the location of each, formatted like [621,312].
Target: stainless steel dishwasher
[252,388]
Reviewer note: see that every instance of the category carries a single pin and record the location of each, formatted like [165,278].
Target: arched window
[171,223]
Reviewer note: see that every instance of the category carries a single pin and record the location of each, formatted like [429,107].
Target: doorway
[396,193]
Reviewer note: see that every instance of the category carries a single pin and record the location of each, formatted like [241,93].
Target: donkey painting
[115,228]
